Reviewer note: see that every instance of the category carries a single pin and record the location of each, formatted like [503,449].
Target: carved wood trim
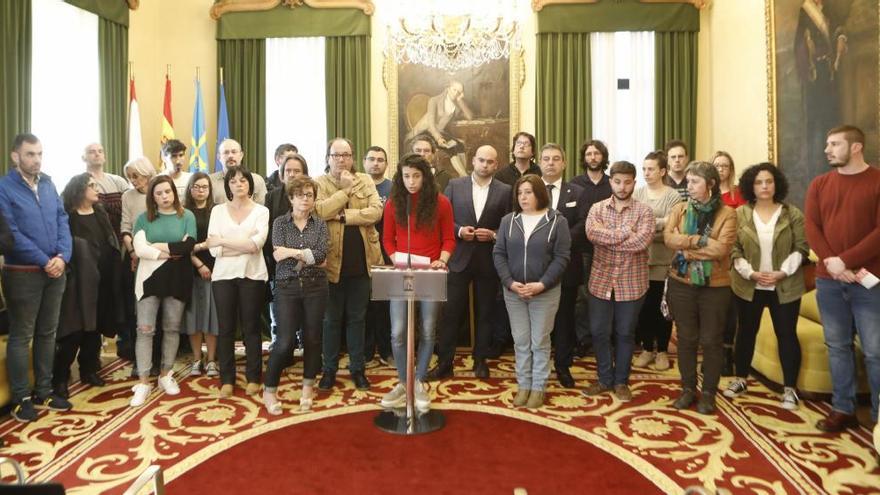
[226,6]
[537,5]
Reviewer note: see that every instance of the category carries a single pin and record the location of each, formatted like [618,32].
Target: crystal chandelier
[454,35]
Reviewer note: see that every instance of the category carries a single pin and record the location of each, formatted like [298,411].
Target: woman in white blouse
[766,273]
[236,234]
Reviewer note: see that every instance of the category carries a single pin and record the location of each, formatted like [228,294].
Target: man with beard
[677,157]
[842,222]
[621,229]
[231,154]
[523,152]
[424,146]
[377,336]
[276,179]
[110,186]
[594,182]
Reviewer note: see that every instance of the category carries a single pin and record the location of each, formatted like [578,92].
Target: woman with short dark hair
[236,233]
[767,272]
[531,253]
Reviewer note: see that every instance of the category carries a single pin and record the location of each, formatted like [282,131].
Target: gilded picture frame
[823,70]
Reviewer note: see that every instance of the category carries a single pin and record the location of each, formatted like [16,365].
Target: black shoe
[24,411]
[125,352]
[93,379]
[481,369]
[706,405]
[439,372]
[327,381]
[685,400]
[154,371]
[360,381]
[727,362]
[565,378]
[582,349]
[61,390]
[52,402]
[134,371]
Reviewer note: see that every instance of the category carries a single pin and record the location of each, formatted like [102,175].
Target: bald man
[478,204]
[231,154]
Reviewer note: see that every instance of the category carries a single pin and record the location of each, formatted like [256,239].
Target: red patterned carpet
[751,446]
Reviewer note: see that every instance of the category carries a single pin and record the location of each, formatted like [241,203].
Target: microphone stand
[409,287]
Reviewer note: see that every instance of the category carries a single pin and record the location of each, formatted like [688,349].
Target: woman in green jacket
[766,273]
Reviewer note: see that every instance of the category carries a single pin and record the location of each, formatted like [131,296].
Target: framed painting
[460,111]
[823,71]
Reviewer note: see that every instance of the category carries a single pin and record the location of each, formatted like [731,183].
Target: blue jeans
[623,315]
[531,322]
[846,309]
[429,310]
[349,297]
[34,302]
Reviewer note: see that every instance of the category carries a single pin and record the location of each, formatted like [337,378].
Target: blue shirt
[38,221]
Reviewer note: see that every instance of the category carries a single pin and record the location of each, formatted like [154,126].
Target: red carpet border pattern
[751,446]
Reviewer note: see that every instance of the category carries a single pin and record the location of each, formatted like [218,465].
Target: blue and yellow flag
[198,158]
[222,124]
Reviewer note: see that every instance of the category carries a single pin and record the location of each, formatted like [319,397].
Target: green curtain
[15,73]
[113,68]
[675,88]
[111,10]
[618,15]
[285,22]
[347,76]
[564,106]
[244,77]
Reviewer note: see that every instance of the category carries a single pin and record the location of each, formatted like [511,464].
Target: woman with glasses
[730,193]
[201,315]
[164,236]
[299,243]
[89,307]
[236,233]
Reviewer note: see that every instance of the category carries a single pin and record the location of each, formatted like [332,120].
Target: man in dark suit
[478,203]
[566,198]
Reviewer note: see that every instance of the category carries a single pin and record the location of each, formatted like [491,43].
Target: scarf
[697,221]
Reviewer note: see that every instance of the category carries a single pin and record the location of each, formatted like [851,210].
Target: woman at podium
[418,226]
[531,253]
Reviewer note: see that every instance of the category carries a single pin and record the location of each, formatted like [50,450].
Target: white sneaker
[141,392]
[395,398]
[736,388]
[789,399]
[196,369]
[423,398]
[644,359]
[168,383]
[211,369]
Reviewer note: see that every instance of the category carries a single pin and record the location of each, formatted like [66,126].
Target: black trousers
[784,317]
[83,347]
[486,286]
[377,330]
[653,330]
[700,314]
[239,301]
[299,303]
[564,336]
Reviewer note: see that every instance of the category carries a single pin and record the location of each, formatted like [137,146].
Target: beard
[840,163]
[595,167]
[623,195]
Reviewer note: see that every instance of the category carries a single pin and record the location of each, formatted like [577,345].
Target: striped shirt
[621,240]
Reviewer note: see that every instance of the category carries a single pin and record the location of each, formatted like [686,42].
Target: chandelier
[454,35]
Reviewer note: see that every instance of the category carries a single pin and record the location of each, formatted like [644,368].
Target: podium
[410,285]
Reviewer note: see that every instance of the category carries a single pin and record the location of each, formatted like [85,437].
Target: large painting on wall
[460,111]
[823,72]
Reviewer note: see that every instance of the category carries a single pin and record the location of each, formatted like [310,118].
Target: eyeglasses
[340,156]
[197,187]
[304,196]
[719,166]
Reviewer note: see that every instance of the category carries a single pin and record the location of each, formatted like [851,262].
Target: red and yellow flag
[167,120]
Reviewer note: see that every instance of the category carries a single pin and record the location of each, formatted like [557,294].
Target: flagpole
[221,75]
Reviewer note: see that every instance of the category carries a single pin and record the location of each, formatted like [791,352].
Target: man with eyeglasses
[378,326]
[276,179]
[231,154]
[523,152]
[349,203]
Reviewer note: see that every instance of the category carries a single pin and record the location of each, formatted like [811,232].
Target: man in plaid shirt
[621,229]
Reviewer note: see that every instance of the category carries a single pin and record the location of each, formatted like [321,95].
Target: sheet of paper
[417,261]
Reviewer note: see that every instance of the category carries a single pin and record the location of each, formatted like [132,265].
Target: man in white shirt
[174,158]
[231,154]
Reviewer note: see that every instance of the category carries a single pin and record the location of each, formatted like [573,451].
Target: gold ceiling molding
[537,5]
[227,6]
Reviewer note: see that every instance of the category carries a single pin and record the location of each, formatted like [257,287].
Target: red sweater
[843,219]
[733,198]
[423,242]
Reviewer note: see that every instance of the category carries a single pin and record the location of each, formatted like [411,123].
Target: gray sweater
[542,259]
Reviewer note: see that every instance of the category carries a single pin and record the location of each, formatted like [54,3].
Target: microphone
[408,232]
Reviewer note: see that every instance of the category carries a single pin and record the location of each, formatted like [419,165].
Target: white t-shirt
[530,222]
[254,227]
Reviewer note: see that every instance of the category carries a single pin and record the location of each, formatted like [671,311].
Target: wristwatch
[342,217]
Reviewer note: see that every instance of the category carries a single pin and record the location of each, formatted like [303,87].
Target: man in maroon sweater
[843,228]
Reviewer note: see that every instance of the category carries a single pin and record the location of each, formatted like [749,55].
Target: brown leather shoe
[837,422]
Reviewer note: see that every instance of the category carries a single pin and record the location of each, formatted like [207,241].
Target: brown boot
[522,397]
[536,399]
